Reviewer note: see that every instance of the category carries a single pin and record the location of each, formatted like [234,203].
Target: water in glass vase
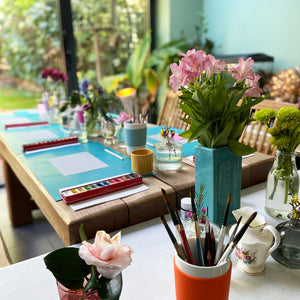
[168,157]
[282,185]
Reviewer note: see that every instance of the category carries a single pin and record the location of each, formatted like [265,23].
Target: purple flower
[84,85]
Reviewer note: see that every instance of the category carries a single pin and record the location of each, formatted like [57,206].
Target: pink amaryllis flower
[243,69]
[254,90]
[179,76]
[215,66]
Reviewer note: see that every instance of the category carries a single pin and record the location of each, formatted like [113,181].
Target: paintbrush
[231,237]
[178,247]
[226,254]
[223,230]
[212,246]
[179,227]
[200,253]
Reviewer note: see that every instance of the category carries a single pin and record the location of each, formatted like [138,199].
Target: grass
[13,98]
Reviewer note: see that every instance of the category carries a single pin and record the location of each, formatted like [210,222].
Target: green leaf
[151,80]
[111,288]
[239,148]
[137,60]
[67,267]
[222,138]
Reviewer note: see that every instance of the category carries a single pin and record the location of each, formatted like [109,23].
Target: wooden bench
[5,259]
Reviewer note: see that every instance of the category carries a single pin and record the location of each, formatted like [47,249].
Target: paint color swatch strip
[100,188]
[7,126]
[50,143]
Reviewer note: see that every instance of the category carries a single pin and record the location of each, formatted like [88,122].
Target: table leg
[18,198]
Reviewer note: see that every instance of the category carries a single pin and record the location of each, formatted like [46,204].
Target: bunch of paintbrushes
[208,253]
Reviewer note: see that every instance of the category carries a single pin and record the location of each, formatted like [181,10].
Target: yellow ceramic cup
[142,161]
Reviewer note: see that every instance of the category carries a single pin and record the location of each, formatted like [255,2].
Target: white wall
[256,26]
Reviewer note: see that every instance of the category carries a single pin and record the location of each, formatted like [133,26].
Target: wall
[255,26]
[174,17]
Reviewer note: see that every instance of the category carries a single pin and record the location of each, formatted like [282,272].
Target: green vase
[219,170]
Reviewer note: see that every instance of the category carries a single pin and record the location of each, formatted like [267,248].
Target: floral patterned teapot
[256,244]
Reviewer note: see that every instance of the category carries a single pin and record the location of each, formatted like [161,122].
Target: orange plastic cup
[189,287]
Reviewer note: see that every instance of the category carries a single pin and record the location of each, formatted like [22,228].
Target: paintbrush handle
[220,244]
[186,246]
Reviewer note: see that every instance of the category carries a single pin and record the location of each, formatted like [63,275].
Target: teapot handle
[276,235]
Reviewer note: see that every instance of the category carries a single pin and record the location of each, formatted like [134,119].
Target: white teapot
[256,244]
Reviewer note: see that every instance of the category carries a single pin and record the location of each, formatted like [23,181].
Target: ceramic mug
[256,244]
[193,281]
[135,135]
[142,161]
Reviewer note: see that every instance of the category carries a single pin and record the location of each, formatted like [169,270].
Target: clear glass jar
[108,131]
[288,252]
[282,185]
[188,221]
[168,155]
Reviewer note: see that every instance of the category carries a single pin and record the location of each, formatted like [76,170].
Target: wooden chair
[171,114]
[255,134]
[5,259]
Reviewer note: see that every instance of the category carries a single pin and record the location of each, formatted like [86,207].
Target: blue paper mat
[53,179]
[187,148]
[14,136]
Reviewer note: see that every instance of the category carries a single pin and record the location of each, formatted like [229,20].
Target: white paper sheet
[109,197]
[77,163]
[19,120]
[44,134]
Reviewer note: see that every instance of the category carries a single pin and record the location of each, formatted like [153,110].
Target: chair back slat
[255,134]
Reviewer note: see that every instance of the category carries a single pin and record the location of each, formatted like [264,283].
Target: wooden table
[151,275]
[22,186]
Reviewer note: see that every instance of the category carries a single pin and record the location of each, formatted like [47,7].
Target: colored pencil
[223,230]
[179,227]
[114,154]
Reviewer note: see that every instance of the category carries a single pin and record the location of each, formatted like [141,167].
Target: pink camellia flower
[123,116]
[243,69]
[106,254]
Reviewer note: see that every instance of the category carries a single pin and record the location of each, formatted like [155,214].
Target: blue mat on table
[153,137]
[19,116]
[53,179]
[16,137]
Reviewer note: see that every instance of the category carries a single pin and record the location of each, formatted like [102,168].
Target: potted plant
[217,102]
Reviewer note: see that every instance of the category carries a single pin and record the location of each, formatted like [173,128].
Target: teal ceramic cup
[135,135]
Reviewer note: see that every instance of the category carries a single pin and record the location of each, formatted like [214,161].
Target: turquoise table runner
[16,137]
[53,179]
[153,137]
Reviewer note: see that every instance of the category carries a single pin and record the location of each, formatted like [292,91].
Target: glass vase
[168,155]
[288,252]
[282,185]
[66,294]
[108,132]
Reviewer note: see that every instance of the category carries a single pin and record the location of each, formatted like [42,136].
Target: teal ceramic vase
[219,171]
